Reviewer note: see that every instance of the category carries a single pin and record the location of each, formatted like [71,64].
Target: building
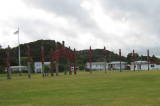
[143,65]
[16,68]
[38,66]
[115,65]
[72,68]
[96,65]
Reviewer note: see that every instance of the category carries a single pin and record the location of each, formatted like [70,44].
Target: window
[152,65]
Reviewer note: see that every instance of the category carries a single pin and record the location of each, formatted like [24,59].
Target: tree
[131,57]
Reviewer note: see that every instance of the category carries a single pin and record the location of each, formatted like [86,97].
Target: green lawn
[83,89]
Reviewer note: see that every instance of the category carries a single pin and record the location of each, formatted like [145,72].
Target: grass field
[84,89]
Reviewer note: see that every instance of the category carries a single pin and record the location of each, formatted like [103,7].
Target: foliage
[82,56]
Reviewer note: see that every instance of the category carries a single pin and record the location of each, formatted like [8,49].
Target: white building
[115,65]
[72,68]
[143,65]
[38,66]
[97,65]
[16,68]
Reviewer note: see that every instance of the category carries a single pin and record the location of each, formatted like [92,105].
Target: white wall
[157,66]
[117,66]
[101,66]
[145,67]
[38,66]
[97,66]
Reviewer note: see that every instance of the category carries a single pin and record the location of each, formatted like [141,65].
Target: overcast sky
[125,24]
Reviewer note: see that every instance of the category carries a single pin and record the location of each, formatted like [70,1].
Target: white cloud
[81,23]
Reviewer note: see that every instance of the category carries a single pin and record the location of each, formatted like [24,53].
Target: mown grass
[83,89]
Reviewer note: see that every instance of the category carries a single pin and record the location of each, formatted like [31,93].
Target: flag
[16,32]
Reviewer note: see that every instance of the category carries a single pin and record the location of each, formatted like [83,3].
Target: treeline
[82,55]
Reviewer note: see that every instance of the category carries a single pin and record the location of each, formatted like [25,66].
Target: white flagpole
[19,52]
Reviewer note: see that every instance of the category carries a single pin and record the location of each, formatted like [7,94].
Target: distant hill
[98,56]
[82,55]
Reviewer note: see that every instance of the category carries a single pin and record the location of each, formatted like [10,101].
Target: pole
[75,70]
[90,59]
[120,60]
[29,62]
[66,66]
[134,60]
[42,61]
[148,59]
[70,68]
[57,67]
[105,59]
[70,63]
[8,63]
[141,63]
[52,64]
[19,53]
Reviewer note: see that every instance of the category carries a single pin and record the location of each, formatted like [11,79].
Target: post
[134,59]
[70,63]
[70,69]
[90,59]
[66,68]
[8,63]
[105,59]
[120,60]
[52,64]
[52,68]
[29,62]
[148,59]
[29,70]
[75,71]
[43,70]
[57,68]
[42,60]
[141,65]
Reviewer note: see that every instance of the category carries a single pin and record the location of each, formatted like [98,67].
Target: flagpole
[19,52]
